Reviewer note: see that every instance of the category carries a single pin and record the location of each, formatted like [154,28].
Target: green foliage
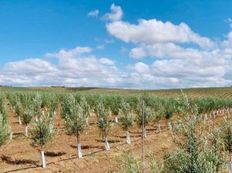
[42,130]
[154,165]
[145,112]
[129,163]
[27,116]
[75,114]
[126,116]
[196,152]
[104,119]
[4,129]
[76,121]
[227,134]
[19,109]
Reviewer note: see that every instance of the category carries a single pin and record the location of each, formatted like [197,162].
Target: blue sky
[166,44]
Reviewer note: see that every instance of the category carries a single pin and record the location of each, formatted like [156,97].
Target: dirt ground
[19,155]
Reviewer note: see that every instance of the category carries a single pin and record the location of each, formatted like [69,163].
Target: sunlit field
[114,130]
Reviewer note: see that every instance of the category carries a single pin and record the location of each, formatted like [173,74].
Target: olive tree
[27,118]
[104,122]
[75,116]
[227,136]
[19,111]
[195,152]
[75,122]
[129,163]
[4,129]
[126,120]
[144,115]
[41,134]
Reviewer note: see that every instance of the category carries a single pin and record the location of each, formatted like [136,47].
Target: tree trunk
[158,128]
[42,159]
[230,163]
[169,125]
[144,132]
[107,146]
[128,139]
[116,119]
[11,135]
[229,167]
[19,119]
[79,152]
[26,131]
[87,121]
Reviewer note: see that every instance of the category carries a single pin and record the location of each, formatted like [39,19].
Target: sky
[149,44]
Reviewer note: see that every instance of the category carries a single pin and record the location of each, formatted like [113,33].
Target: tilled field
[19,155]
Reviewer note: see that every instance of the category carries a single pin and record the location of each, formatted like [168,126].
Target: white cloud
[74,68]
[93,13]
[70,53]
[166,50]
[179,57]
[154,31]
[229,21]
[115,14]
[182,57]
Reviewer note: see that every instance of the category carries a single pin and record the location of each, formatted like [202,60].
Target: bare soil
[19,155]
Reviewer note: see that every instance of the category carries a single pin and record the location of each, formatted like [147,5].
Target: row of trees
[37,110]
[197,150]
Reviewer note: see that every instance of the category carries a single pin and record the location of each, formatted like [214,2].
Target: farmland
[89,129]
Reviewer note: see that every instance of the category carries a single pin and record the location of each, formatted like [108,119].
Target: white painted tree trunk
[128,139]
[107,146]
[36,119]
[116,119]
[19,119]
[145,133]
[11,135]
[42,159]
[87,121]
[159,128]
[26,131]
[206,117]
[79,152]
[169,126]
[229,167]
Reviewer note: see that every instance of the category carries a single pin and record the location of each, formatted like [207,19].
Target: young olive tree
[195,152]
[227,136]
[76,123]
[19,111]
[27,117]
[126,120]
[86,108]
[41,134]
[37,101]
[129,163]
[104,122]
[4,129]
[144,116]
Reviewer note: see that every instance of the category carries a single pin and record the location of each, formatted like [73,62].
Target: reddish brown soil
[19,155]
[61,152]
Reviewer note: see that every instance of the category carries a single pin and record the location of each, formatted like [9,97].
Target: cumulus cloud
[182,57]
[74,68]
[178,57]
[166,50]
[93,13]
[115,14]
[154,31]
[70,53]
